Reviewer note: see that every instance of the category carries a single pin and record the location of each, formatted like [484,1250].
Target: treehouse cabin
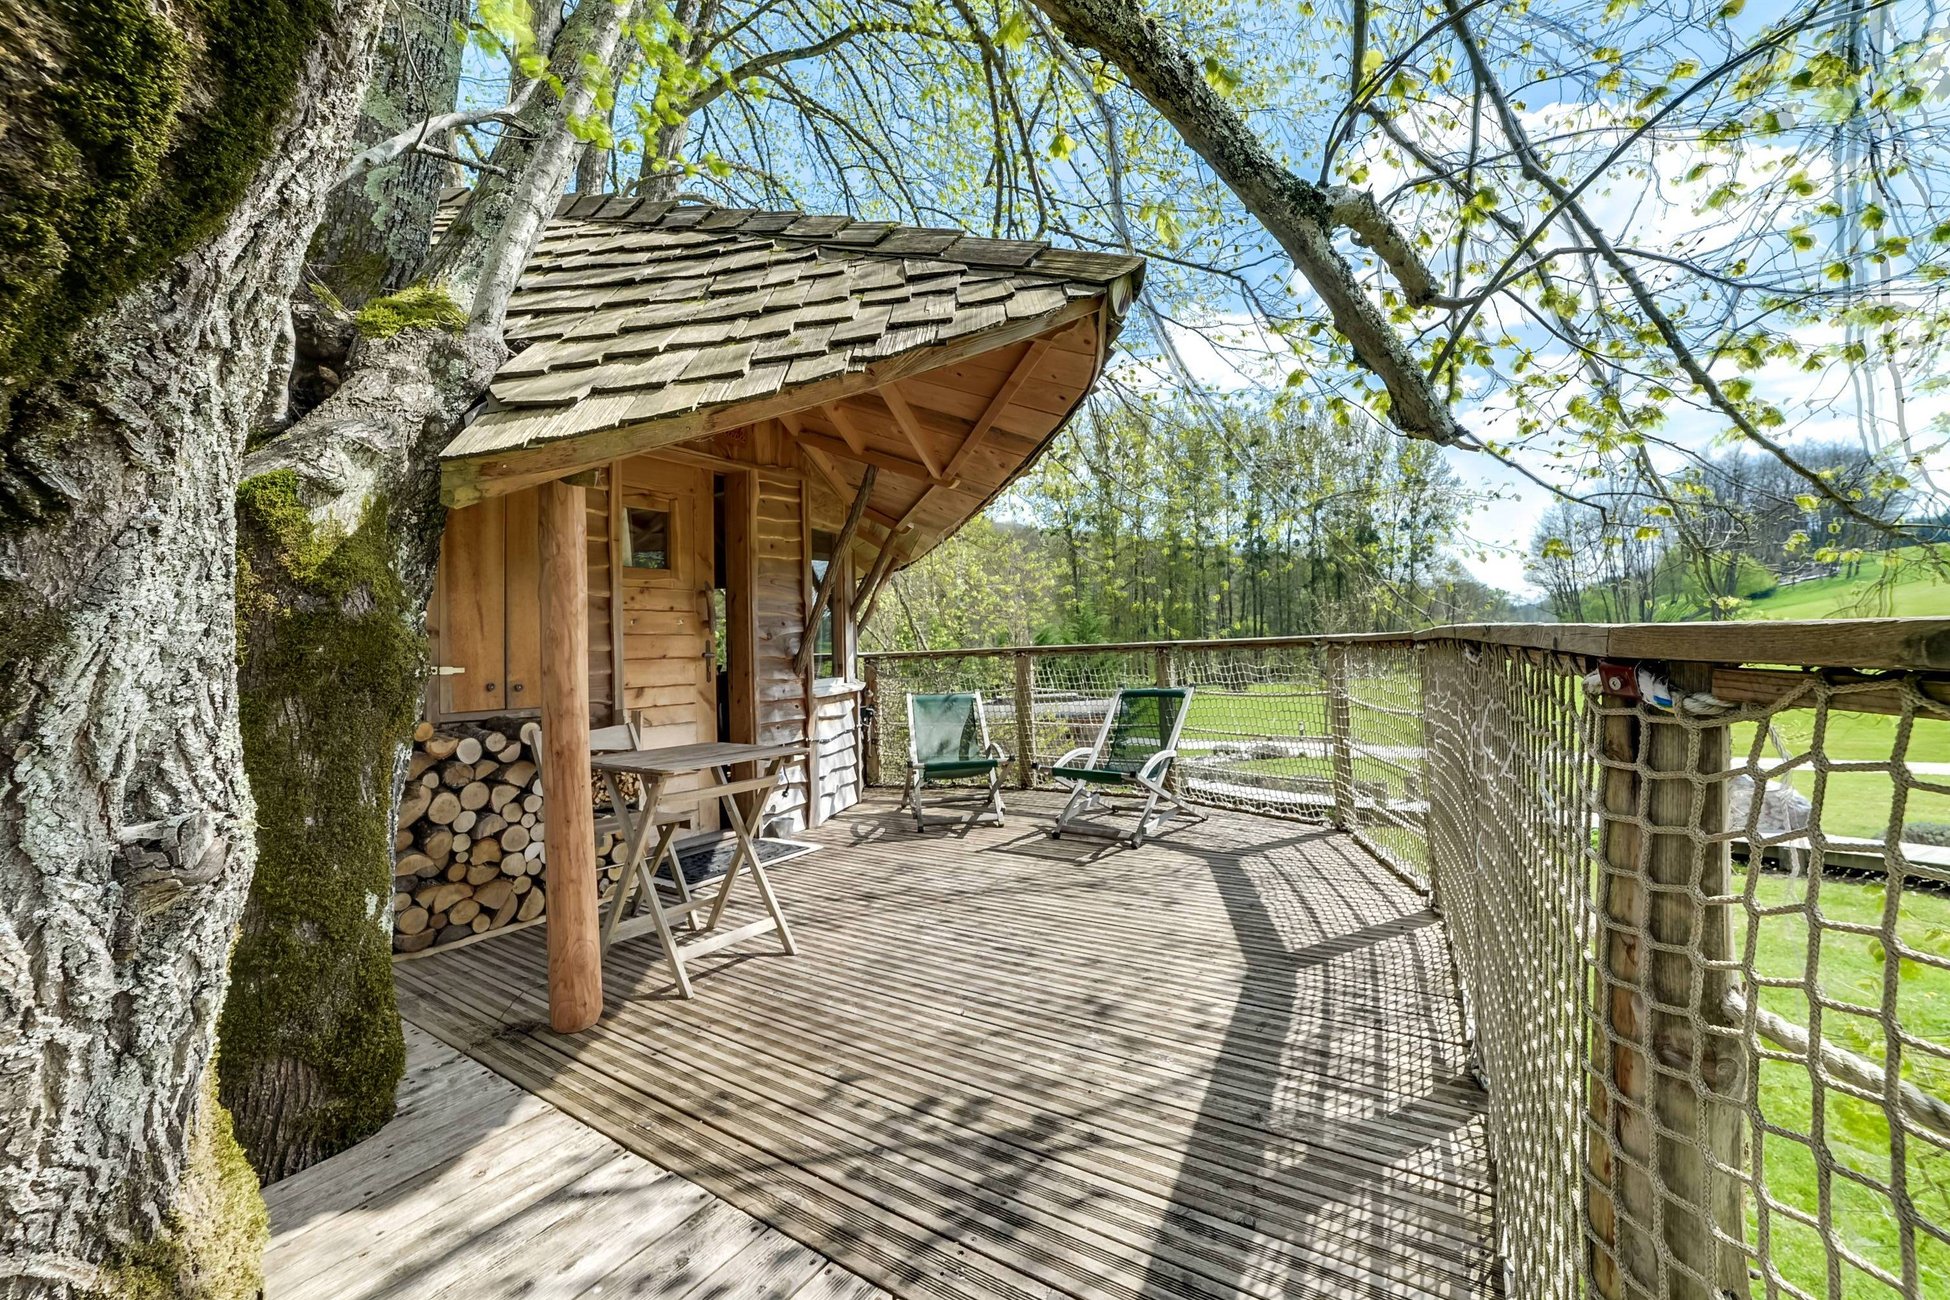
[744,423]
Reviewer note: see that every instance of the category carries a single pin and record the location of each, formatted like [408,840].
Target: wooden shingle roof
[635,312]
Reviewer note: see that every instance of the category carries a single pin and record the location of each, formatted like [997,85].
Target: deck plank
[1229,1063]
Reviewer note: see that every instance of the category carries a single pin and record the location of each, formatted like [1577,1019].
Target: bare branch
[415,137]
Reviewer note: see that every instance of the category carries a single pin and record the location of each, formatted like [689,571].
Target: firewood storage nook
[720,434]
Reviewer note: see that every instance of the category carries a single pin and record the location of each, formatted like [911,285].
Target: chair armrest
[996,752]
[1072,758]
[1155,764]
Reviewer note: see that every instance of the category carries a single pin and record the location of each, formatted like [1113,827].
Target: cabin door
[663,528]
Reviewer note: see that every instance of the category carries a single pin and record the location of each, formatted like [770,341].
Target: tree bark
[342,519]
[480,257]
[339,528]
[378,228]
[125,821]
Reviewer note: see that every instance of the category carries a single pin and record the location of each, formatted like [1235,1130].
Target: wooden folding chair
[947,740]
[1135,750]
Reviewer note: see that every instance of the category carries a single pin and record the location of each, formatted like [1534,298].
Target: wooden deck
[478,1190]
[1003,1066]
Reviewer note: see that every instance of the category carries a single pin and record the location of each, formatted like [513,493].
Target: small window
[826,660]
[649,538]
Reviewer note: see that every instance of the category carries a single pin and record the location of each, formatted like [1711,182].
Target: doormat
[712,858]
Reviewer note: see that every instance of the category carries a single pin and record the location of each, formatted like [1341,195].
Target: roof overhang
[467,479]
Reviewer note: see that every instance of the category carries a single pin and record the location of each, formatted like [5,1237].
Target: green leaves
[1013,33]
[1220,77]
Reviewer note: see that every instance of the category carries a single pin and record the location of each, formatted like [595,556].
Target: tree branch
[415,137]
[1295,212]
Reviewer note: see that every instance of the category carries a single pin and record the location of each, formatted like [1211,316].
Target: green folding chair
[948,740]
[1134,752]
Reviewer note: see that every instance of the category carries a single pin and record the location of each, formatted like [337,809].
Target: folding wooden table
[654,769]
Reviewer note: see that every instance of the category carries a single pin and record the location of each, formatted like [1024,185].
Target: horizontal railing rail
[1696,879]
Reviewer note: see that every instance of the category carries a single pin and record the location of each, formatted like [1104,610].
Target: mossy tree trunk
[378,229]
[139,350]
[343,519]
[339,529]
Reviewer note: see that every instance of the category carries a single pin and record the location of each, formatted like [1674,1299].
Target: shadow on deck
[1227,1064]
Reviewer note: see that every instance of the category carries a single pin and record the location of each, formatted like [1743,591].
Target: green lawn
[1856,1133]
[1895,584]
[1858,803]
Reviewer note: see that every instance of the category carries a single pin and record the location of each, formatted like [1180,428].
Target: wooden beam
[834,567]
[871,456]
[712,461]
[1004,395]
[880,584]
[874,575]
[575,963]
[849,432]
[910,427]
[468,478]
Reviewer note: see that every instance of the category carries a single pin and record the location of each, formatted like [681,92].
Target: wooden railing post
[1340,736]
[1663,980]
[870,730]
[1164,666]
[1025,720]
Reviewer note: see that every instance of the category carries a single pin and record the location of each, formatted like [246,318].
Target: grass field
[1855,1133]
[1858,803]
[1897,584]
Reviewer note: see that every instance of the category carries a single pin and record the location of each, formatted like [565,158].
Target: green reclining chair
[1134,751]
[948,740]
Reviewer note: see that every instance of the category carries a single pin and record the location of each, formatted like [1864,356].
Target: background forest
[1155,520]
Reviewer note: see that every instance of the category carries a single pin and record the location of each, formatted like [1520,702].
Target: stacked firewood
[469,854]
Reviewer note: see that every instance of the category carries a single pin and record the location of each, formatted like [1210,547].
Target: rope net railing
[1700,917]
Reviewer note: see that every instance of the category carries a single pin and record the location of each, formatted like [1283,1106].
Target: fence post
[1665,1093]
[1025,720]
[1340,736]
[870,731]
[1164,666]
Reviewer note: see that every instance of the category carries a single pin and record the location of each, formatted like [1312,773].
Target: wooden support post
[575,963]
[1663,984]
[1340,736]
[882,574]
[1164,666]
[1025,719]
[869,586]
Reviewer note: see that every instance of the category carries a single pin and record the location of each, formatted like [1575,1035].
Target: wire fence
[1699,912]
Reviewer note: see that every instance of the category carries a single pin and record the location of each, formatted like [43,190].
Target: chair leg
[920,812]
[995,794]
[1144,826]
[1079,797]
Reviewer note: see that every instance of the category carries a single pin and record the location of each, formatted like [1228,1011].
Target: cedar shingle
[725,359]
[933,308]
[869,322]
[805,370]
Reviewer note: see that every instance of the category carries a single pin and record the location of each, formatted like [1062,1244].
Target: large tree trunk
[342,519]
[125,821]
[339,525]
